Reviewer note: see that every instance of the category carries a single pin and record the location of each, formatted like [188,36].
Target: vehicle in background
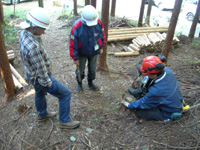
[190,10]
[164,4]
[12,1]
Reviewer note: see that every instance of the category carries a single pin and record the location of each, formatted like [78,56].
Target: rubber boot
[92,85]
[80,87]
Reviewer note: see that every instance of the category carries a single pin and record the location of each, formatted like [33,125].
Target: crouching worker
[38,69]
[162,99]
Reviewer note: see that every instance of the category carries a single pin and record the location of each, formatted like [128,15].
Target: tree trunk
[40,3]
[75,8]
[5,70]
[141,14]
[102,65]
[113,8]
[94,3]
[149,11]
[1,13]
[195,21]
[172,26]
[87,2]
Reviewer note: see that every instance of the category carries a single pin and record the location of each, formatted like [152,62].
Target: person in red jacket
[86,42]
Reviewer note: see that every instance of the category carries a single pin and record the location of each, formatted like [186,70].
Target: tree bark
[102,65]
[40,3]
[75,8]
[172,26]
[113,8]
[1,13]
[87,2]
[195,21]
[5,70]
[94,3]
[141,14]
[149,11]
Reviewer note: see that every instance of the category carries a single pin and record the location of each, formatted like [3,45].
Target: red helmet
[151,64]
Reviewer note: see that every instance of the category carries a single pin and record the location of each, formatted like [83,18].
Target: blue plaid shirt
[35,59]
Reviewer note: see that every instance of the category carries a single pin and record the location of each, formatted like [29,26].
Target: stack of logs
[142,42]
[130,33]
[19,82]
[11,55]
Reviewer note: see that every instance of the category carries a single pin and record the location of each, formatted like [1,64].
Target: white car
[190,10]
[164,4]
[12,1]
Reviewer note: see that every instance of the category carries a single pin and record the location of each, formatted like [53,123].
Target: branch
[175,147]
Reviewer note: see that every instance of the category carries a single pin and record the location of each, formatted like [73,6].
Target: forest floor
[103,124]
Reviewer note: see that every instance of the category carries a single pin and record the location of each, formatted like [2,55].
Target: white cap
[36,17]
[89,15]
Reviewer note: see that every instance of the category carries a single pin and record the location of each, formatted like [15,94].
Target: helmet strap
[35,30]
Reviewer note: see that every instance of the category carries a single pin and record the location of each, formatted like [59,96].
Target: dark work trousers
[92,64]
[151,114]
[62,93]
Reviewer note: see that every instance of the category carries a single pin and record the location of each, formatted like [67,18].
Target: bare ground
[103,124]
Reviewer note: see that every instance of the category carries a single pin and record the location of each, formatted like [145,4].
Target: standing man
[162,99]
[38,69]
[86,42]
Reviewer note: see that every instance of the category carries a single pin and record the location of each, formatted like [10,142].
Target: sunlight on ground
[27,94]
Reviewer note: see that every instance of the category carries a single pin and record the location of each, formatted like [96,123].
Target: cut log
[18,76]
[164,29]
[17,84]
[111,53]
[130,49]
[135,43]
[133,47]
[10,52]
[11,57]
[127,53]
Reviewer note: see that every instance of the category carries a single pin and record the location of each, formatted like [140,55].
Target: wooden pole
[17,84]
[127,53]
[18,76]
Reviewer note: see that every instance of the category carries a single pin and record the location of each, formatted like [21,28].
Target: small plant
[9,33]
[195,44]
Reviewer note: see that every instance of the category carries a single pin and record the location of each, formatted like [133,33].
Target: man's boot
[92,85]
[80,87]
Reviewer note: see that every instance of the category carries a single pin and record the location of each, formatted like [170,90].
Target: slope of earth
[103,124]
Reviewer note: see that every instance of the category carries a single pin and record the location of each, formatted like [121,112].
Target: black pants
[92,64]
[150,114]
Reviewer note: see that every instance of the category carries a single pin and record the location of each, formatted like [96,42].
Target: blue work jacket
[86,40]
[164,93]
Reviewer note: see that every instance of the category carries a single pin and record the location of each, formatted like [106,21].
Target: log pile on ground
[130,33]
[142,43]
[11,55]
[19,81]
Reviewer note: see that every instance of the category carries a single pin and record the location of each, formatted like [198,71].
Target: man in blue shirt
[163,97]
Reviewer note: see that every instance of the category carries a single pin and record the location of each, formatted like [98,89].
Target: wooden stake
[18,76]
[17,84]
[127,53]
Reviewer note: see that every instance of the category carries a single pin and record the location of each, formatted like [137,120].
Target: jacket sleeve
[149,101]
[73,47]
[103,39]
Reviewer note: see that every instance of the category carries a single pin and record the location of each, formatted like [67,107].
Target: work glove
[125,103]
[53,88]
